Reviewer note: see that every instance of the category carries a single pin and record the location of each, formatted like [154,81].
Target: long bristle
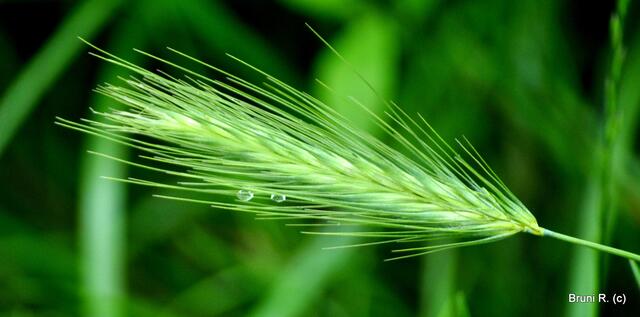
[287,155]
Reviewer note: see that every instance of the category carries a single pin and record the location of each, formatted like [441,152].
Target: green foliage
[523,80]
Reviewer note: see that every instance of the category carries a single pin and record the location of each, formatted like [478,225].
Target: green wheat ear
[286,155]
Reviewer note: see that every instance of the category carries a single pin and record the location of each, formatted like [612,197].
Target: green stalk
[636,271]
[593,245]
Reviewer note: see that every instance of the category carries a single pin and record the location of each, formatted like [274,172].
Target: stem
[593,245]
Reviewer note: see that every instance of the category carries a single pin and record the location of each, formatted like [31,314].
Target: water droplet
[278,198]
[244,195]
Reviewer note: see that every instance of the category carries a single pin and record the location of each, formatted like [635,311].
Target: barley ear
[283,154]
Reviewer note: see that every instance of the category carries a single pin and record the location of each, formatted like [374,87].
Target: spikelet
[285,155]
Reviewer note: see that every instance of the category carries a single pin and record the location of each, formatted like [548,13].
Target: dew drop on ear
[278,198]
[244,195]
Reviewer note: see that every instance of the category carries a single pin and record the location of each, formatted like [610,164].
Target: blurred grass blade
[629,101]
[304,278]
[636,271]
[438,284]
[567,127]
[370,45]
[613,135]
[40,73]
[462,306]
[584,267]
[103,203]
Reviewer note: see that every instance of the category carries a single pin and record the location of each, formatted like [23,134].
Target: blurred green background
[523,80]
